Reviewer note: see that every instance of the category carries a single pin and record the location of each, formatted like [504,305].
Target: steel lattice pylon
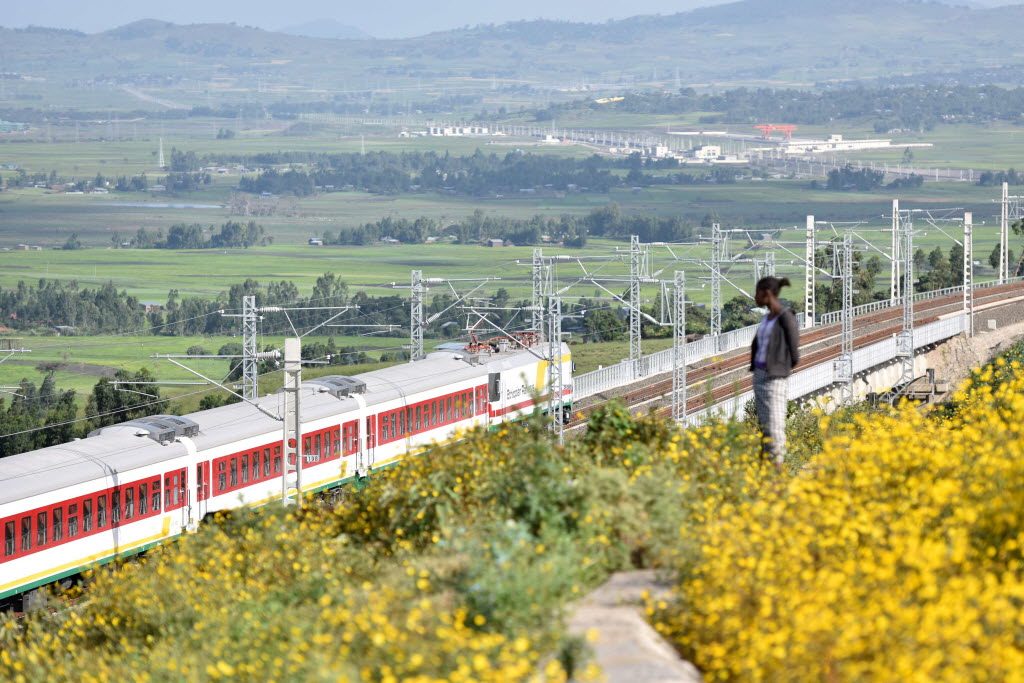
[969,274]
[894,278]
[717,257]
[905,338]
[538,273]
[1012,210]
[679,347]
[555,380]
[636,272]
[416,320]
[809,273]
[250,348]
[843,367]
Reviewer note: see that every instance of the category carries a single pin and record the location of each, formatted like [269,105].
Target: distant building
[494,242]
[707,152]
[316,242]
[458,131]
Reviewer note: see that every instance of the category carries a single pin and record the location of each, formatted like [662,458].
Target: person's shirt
[764,334]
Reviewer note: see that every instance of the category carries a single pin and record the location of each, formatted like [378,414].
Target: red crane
[768,128]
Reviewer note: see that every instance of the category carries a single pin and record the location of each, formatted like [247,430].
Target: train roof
[50,469]
[123,447]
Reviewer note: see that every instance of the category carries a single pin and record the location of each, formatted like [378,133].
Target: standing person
[774,353]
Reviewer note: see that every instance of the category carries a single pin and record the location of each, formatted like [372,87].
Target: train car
[130,486]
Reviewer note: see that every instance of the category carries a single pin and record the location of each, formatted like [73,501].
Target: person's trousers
[770,400]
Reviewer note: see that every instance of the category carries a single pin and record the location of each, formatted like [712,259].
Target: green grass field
[34,216]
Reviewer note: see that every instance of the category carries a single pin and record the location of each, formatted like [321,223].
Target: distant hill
[326,28]
[751,42]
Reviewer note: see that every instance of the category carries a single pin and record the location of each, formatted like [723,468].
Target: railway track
[718,379]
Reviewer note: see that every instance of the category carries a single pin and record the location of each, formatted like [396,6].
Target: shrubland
[890,549]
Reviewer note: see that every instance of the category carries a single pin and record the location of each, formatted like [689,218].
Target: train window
[115,507]
[156,495]
[41,527]
[448,409]
[234,472]
[58,524]
[419,417]
[277,460]
[129,503]
[266,462]
[8,538]
[72,520]
[101,511]
[337,442]
[26,534]
[222,477]
[245,468]
[143,499]
[255,465]
[176,490]
[306,446]
[316,446]
[87,515]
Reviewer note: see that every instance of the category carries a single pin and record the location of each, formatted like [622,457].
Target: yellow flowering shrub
[264,597]
[453,565]
[894,554]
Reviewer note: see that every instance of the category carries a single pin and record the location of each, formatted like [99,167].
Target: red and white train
[130,486]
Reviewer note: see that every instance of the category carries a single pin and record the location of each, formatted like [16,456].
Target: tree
[920,259]
[108,405]
[956,265]
[72,242]
[602,325]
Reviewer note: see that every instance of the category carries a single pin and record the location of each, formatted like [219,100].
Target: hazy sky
[384,18]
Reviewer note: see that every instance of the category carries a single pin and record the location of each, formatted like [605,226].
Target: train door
[202,488]
[371,440]
[495,394]
[182,498]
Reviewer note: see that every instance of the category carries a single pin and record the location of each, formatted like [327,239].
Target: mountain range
[750,42]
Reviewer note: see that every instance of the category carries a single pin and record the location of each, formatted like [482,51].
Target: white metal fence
[818,377]
[834,317]
[660,362]
[628,371]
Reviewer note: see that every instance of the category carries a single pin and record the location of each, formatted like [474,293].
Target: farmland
[39,217]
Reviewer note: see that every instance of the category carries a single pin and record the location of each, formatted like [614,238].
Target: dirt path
[627,648]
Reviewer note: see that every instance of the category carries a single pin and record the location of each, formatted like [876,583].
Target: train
[130,486]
